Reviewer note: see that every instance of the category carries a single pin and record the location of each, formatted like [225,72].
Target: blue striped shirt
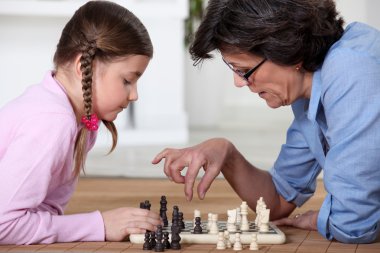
[337,130]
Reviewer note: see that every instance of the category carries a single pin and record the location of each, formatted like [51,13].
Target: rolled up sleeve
[296,169]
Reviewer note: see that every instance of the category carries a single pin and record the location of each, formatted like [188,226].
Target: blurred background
[179,105]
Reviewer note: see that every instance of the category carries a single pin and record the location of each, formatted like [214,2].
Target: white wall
[211,93]
[29,33]
[30,30]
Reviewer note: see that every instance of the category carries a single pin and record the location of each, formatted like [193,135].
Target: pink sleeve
[37,165]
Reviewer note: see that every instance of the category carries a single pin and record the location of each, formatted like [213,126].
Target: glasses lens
[236,71]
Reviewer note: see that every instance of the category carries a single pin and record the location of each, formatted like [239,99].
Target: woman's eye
[126,82]
[241,71]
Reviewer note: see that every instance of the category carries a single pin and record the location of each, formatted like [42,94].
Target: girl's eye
[126,82]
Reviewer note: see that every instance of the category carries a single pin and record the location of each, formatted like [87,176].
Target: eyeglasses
[240,73]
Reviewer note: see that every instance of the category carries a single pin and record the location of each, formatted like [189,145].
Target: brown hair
[104,31]
[284,31]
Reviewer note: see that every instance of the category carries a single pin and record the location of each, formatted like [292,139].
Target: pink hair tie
[92,123]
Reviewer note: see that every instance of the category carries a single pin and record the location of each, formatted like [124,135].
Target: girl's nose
[133,95]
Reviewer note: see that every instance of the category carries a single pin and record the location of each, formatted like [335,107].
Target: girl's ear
[77,64]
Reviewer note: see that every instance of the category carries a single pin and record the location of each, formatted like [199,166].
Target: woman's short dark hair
[286,32]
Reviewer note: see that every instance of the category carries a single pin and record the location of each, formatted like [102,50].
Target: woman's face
[277,85]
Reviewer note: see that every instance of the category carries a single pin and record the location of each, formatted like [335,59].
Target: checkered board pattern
[273,236]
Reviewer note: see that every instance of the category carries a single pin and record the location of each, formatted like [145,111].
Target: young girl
[46,133]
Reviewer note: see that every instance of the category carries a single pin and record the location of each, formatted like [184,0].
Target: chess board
[273,236]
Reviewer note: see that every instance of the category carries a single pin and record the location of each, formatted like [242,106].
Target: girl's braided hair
[103,31]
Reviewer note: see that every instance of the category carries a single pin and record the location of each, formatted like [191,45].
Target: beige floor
[106,193]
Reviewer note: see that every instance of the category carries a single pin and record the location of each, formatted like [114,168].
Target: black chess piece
[147,204]
[146,245]
[142,205]
[152,240]
[180,220]
[159,246]
[198,227]
[166,242]
[175,245]
[163,209]
[175,213]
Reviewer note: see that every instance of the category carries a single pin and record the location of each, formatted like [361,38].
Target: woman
[296,52]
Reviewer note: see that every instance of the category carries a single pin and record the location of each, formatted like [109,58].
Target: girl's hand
[210,155]
[306,221]
[118,223]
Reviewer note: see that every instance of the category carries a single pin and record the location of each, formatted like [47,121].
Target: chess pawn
[198,227]
[237,244]
[214,224]
[253,245]
[147,204]
[209,221]
[147,245]
[152,240]
[166,242]
[220,244]
[197,213]
[264,227]
[227,239]
[159,247]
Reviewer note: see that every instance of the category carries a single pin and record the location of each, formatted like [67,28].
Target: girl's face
[277,85]
[115,85]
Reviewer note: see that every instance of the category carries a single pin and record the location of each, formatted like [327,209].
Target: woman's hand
[118,223]
[210,155]
[306,221]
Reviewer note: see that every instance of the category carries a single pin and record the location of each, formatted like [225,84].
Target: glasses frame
[243,75]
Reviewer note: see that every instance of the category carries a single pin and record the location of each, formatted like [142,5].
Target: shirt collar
[315,97]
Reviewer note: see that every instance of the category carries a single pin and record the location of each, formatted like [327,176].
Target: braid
[88,54]
[104,31]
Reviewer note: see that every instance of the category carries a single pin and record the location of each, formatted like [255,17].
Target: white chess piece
[220,244]
[209,221]
[253,245]
[244,224]
[197,213]
[264,220]
[231,220]
[227,239]
[260,202]
[214,224]
[238,216]
[237,244]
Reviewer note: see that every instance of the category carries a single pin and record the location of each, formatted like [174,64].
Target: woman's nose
[239,81]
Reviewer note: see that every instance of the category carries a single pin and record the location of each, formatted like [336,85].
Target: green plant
[195,16]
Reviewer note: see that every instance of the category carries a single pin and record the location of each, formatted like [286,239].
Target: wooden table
[103,194]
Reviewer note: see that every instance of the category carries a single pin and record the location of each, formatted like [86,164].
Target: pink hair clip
[92,123]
